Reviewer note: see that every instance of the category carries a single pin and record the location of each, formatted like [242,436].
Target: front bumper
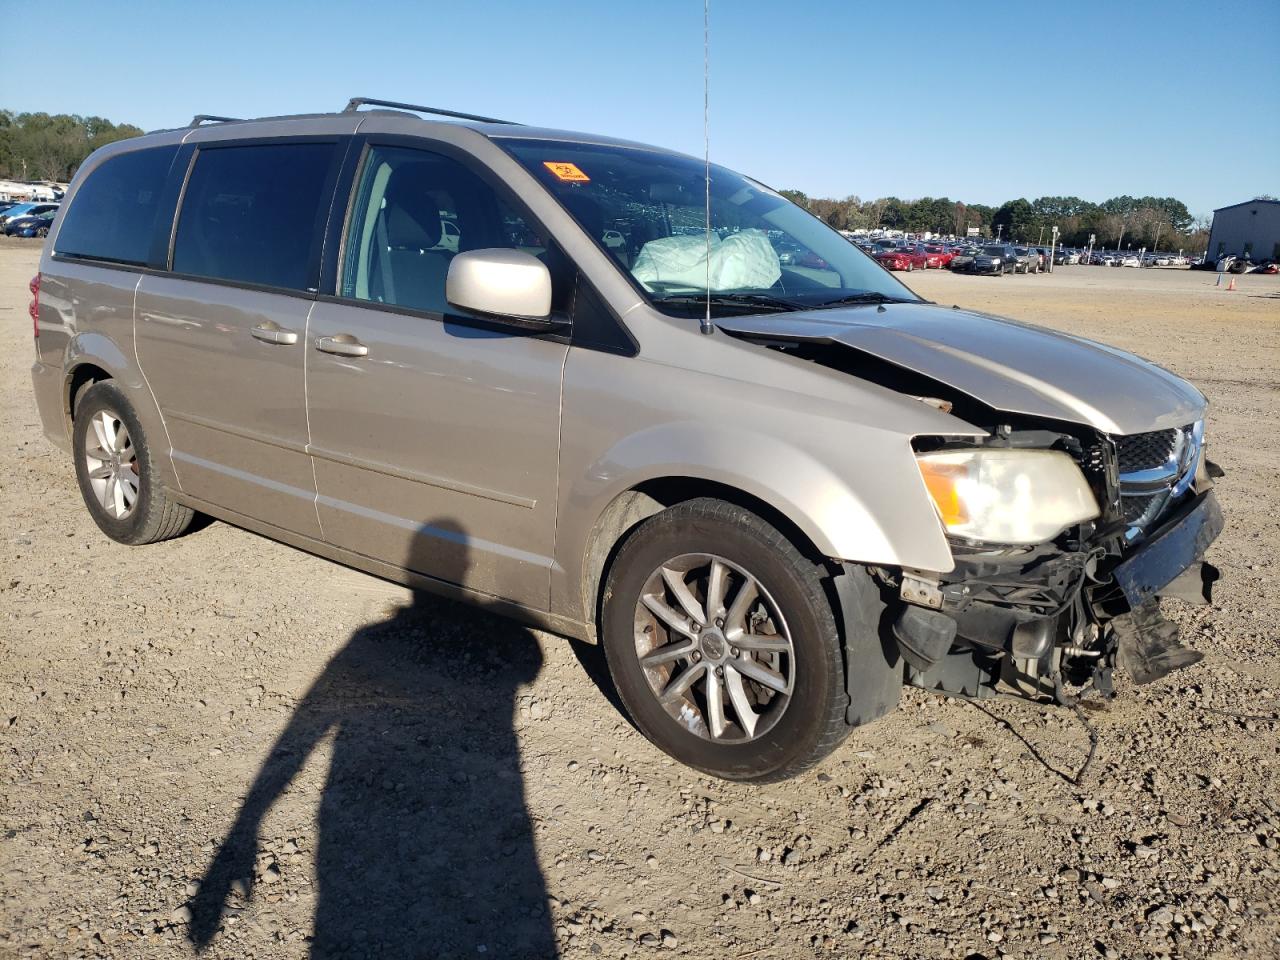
[1031,621]
[1169,552]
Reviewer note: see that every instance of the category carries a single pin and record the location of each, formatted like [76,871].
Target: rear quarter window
[253,213]
[113,214]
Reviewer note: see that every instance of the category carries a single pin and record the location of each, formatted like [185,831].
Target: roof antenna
[705,326]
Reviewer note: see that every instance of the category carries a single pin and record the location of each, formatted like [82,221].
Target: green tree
[42,146]
[1016,220]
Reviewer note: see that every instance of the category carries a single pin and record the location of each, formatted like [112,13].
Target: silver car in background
[775,489]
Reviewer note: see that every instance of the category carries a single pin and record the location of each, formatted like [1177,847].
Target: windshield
[19,209]
[647,210]
[993,251]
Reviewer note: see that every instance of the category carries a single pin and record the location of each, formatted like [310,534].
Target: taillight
[34,307]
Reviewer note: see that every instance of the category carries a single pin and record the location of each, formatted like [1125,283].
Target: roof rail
[357,102]
[200,118]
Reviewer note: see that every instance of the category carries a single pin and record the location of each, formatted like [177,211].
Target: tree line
[1137,221]
[44,146]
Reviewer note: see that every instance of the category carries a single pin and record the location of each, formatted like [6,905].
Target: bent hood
[1011,366]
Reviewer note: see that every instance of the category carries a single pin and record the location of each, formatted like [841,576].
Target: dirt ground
[360,773]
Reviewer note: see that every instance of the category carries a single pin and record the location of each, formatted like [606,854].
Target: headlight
[1007,496]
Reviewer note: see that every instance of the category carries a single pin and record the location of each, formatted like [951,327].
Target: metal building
[1250,230]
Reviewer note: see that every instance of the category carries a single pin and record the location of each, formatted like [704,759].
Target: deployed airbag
[741,261]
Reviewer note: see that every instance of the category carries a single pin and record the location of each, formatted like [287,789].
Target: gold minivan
[625,396]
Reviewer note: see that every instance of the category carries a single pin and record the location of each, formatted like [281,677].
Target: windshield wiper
[867,296]
[762,300]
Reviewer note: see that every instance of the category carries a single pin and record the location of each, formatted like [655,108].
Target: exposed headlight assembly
[1012,496]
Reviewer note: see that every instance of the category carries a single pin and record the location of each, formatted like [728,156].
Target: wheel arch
[93,357]
[633,506]
[77,379]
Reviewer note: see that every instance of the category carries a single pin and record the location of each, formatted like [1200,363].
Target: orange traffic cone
[1232,284]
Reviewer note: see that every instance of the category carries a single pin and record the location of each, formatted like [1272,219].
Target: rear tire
[116,470]
[755,690]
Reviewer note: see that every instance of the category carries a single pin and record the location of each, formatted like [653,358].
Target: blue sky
[979,102]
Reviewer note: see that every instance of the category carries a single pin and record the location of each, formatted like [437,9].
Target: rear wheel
[723,644]
[116,473]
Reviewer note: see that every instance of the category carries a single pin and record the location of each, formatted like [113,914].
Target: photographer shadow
[424,846]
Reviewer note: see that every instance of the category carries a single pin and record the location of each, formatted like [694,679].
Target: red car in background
[903,258]
[937,256]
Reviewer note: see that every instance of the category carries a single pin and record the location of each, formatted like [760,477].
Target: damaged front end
[1054,619]
[1049,592]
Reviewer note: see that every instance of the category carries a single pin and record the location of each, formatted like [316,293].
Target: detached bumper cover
[1170,550]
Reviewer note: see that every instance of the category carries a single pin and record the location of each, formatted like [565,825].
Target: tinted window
[414,212]
[254,213]
[113,214]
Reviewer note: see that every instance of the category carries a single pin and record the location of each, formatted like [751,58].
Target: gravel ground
[222,741]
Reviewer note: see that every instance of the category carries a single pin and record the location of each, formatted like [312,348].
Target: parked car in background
[962,259]
[29,209]
[937,255]
[36,226]
[995,258]
[902,258]
[1130,260]
[1027,260]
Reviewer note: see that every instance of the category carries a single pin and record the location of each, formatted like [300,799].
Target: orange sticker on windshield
[568,172]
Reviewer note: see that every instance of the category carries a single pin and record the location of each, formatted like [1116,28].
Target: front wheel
[723,644]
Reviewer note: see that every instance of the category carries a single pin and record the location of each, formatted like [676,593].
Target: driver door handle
[342,345]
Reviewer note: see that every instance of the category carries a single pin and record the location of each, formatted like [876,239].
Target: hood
[1011,366]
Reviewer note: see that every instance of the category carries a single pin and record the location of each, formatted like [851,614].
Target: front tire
[723,644]
[116,470]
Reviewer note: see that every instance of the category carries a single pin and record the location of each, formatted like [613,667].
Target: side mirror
[502,282]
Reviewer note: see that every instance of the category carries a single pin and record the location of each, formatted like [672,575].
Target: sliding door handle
[343,345]
[272,333]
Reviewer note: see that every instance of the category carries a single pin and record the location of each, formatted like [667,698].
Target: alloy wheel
[112,464]
[714,648]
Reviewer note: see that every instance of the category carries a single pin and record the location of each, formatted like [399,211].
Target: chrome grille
[1156,469]
[1146,451]
[1141,510]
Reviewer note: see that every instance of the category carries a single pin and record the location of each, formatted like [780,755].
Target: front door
[434,435]
[222,338]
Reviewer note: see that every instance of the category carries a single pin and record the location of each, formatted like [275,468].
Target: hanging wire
[706,146]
